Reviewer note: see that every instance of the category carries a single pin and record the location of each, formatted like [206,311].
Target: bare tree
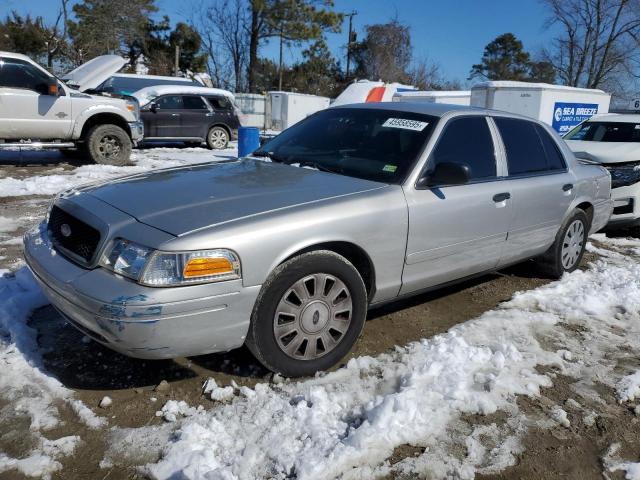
[56,35]
[599,40]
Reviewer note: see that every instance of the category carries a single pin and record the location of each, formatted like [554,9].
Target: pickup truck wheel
[308,314]
[217,138]
[109,145]
[566,252]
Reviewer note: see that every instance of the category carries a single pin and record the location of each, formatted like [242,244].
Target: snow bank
[143,160]
[351,420]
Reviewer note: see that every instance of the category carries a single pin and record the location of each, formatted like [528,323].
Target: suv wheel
[566,252]
[217,138]
[109,145]
[308,315]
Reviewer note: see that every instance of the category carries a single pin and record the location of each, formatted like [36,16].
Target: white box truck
[288,108]
[366,91]
[451,97]
[561,107]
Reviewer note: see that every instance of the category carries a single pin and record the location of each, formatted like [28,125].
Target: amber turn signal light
[202,267]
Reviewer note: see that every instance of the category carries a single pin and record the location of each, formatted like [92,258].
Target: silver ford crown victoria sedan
[395,199]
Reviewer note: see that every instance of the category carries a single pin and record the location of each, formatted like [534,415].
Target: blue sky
[451,33]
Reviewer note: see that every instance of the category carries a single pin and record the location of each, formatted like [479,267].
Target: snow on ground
[24,383]
[348,422]
[143,160]
[612,464]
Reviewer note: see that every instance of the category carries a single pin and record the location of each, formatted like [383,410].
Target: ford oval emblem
[65,230]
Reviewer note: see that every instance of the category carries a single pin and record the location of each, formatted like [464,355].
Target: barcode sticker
[405,124]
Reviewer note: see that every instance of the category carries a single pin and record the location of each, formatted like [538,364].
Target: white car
[614,141]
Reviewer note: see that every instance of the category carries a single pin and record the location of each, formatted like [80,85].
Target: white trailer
[288,108]
[253,107]
[559,106]
[451,97]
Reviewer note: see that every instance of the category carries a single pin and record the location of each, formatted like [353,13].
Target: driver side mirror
[446,173]
[154,107]
[52,87]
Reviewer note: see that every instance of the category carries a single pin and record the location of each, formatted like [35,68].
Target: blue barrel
[248,140]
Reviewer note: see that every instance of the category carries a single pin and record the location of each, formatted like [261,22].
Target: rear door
[457,231]
[166,119]
[541,186]
[195,117]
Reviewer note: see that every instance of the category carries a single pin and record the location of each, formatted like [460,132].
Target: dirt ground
[93,371]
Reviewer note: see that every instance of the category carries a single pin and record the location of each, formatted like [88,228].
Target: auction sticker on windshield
[405,124]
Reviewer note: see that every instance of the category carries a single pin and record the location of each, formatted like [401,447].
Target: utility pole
[280,64]
[177,62]
[352,38]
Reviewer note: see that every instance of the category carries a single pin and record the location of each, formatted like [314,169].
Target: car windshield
[606,132]
[379,145]
[129,85]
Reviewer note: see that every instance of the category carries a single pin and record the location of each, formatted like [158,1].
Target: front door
[164,122]
[26,108]
[457,231]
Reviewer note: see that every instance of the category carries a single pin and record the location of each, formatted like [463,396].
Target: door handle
[567,187]
[501,197]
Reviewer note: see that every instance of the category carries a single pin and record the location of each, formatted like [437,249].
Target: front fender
[98,109]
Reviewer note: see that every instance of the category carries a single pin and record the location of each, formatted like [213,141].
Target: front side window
[379,145]
[467,141]
[170,102]
[16,73]
[193,103]
[525,153]
[594,131]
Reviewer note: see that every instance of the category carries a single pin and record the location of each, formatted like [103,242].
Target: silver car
[285,251]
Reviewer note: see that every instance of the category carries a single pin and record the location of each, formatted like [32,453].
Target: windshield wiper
[317,166]
[270,155]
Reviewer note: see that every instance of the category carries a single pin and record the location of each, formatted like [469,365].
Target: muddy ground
[93,371]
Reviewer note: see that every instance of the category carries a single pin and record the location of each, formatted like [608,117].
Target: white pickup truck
[38,110]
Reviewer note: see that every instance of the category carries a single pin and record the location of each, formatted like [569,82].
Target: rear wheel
[568,249]
[217,138]
[109,145]
[308,315]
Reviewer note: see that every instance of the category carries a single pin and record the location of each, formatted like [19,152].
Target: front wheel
[109,145]
[217,138]
[308,315]
[568,249]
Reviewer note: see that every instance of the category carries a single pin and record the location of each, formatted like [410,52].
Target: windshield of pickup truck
[378,145]
[606,132]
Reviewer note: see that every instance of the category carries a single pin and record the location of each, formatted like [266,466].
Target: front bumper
[626,206]
[138,321]
[137,131]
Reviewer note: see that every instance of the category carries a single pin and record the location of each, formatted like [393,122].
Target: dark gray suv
[192,119]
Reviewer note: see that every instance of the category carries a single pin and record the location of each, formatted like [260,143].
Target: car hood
[606,152]
[92,73]
[185,199]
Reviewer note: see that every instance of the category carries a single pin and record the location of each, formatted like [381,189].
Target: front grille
[73,235]
[624,174]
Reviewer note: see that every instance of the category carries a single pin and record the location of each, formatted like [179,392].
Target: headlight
[624,174]
[164,269]
[134,107]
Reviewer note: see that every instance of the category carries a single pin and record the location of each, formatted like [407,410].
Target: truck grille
[72,234]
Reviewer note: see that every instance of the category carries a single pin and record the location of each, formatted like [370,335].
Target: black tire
[109,145]
[551,262]
[217,138]
[261,338]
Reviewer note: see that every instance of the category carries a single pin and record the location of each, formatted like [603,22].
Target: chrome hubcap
[572,244]
[218,138]
[109,146]
[313,316]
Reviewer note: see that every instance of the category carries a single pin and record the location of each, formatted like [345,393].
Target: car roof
[433,109]
[146,95]
[617,117]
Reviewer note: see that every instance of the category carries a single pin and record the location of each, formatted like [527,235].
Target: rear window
[379,145]
[220,103]
[525,145]
[605,132]
[129,85]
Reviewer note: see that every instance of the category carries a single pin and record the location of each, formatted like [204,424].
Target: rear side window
[525,153]
[170,102]
[220,103]
[16,73]
[193,103]
[555,160]
[467,141]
